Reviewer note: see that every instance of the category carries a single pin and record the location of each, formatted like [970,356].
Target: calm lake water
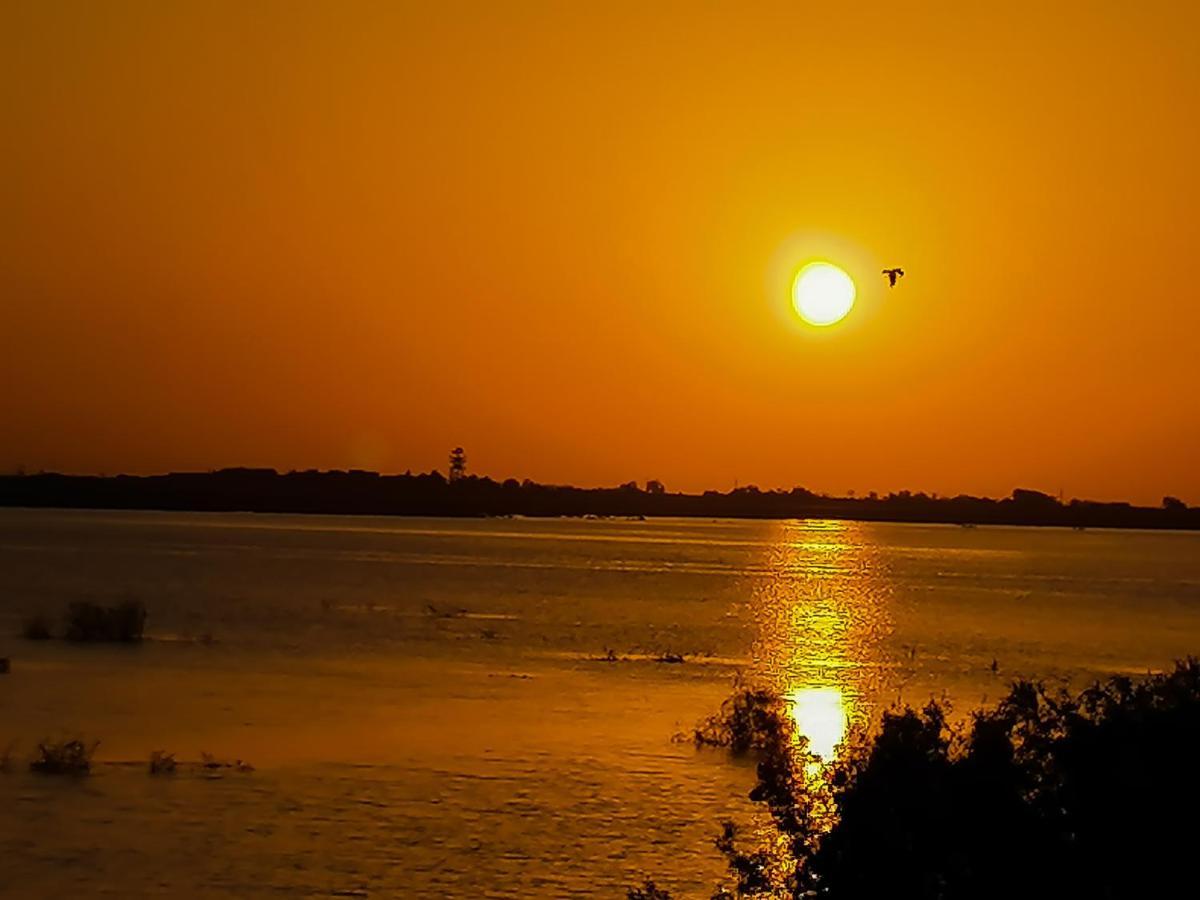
[424,704]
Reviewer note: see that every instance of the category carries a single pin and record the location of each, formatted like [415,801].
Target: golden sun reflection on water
[823,617]
[820,715]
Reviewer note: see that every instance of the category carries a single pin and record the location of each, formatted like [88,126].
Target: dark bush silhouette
[648,891]
[750,719]
[1048,795]
[36,628]
[162,763]
[72,757]
[122,623]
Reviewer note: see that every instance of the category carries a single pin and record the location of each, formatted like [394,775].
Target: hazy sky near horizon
[562,235]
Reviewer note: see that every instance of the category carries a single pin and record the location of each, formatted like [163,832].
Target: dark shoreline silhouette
[357,492]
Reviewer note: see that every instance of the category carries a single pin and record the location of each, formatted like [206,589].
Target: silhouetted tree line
[432,494]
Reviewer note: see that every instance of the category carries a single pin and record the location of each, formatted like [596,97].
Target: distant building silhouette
[458,464]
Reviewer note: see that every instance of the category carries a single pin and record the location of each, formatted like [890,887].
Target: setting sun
[822,293]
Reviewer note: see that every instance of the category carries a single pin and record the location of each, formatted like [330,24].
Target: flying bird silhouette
[892,275]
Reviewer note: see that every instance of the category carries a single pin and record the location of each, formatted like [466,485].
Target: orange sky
[561,235]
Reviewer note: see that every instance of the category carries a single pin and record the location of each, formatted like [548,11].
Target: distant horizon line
[852,495]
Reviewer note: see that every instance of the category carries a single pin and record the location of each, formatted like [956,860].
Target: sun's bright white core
[820,715]
[822,293]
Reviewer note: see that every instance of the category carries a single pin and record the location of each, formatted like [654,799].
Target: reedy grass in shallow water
[87,622]
[122,623]
[162,763]
[67,757]
[75,756]
[36,628]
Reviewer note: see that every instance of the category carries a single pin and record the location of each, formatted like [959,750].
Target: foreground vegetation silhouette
[1048,794]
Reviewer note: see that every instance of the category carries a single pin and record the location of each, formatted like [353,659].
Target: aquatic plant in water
[648,891]
[122,623]
[750,719]
[212,764]
[162,763]
[36,628]
[70,757]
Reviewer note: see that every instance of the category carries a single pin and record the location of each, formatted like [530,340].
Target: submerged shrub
[211,763]
[72,757]
[749,720]
[1048,795]
[162,763]
[122,623]
[36,628]
[648,891]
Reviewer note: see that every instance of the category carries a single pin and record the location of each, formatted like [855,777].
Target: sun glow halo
[822,293]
